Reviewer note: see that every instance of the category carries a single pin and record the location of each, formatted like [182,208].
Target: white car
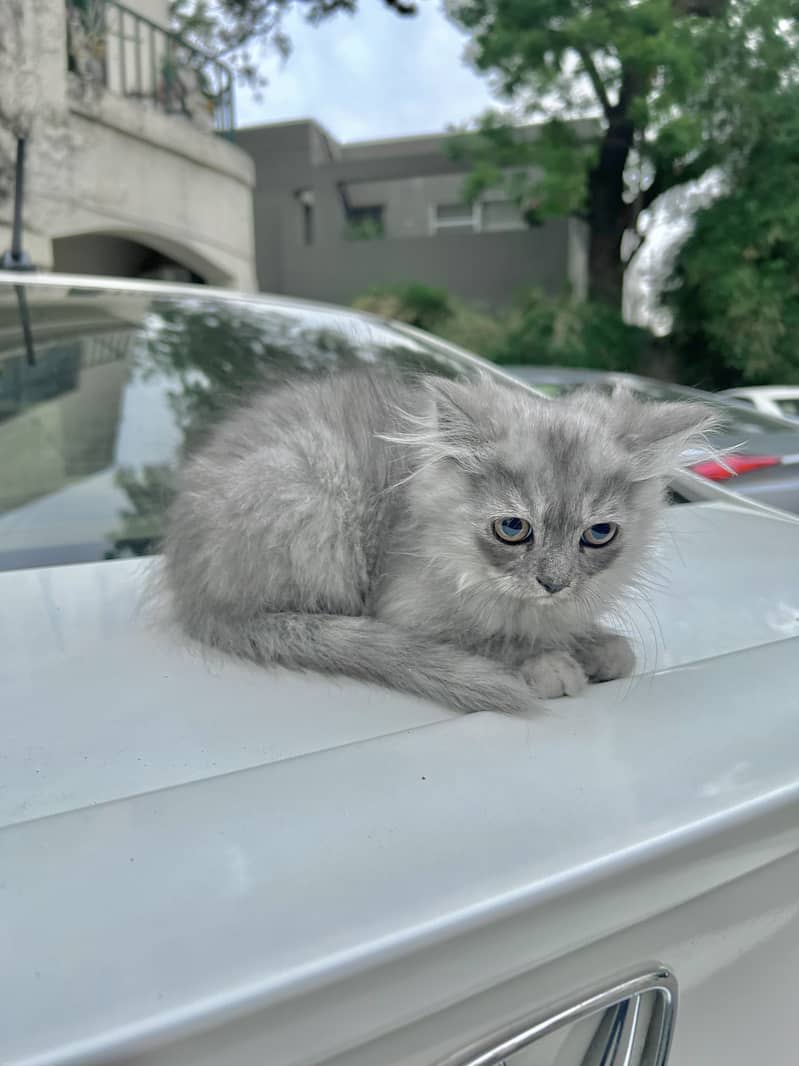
[203,863]
[780,400]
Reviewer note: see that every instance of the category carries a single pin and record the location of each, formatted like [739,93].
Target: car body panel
[163,810]
[777,486]
[96,634]
[204,862]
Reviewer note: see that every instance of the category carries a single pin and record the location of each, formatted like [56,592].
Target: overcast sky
[370,75]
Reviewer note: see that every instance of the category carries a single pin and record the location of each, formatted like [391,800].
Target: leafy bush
[538,330]
[412,302]
[477,331]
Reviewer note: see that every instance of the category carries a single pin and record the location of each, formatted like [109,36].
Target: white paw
[554,673]
[607,657]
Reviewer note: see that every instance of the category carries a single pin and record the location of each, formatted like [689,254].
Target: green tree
[734,291]
[667,84]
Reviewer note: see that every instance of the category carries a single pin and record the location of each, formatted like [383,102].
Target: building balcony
[132,170]
[113,48]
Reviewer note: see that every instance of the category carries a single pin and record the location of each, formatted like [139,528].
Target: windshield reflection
[124,385]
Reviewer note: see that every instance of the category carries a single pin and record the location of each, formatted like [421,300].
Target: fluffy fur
[344,525]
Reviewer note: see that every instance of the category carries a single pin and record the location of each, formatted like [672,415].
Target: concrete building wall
[104,164]
[298,164]
[485,269]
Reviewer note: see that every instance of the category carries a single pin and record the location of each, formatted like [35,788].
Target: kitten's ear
[656,434]
[463,425]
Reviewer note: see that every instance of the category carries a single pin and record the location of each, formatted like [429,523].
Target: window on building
[459,217]
[501,214]
[489,216]
[307,204]
[365,223]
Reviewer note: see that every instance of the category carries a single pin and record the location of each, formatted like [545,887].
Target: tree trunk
[605,268]
[609,216]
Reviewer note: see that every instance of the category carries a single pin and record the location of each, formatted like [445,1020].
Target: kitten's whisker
[409,477]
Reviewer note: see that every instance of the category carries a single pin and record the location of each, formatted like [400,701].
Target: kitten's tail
[368,650]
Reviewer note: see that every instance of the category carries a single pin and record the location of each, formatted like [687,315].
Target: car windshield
[124,381]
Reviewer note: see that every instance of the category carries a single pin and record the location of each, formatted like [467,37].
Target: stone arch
[133,254]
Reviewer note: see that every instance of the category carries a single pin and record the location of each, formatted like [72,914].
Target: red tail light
[738,464]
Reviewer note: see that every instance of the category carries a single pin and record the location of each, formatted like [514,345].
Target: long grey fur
[344,525]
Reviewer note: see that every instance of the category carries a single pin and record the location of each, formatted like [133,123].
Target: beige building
[129,167]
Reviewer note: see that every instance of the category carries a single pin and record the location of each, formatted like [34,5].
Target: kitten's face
[555,512]
[553,501]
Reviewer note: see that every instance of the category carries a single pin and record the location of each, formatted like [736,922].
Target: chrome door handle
[626,1033]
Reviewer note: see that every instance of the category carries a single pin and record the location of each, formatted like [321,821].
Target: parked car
[779,400]
[750,441]
[203,862]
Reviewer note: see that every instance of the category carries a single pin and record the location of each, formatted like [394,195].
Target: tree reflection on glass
[214,353]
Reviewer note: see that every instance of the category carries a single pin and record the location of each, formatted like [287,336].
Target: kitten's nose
[551,585]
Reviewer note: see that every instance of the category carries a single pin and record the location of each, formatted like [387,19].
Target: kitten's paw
[607,656]
[554,673]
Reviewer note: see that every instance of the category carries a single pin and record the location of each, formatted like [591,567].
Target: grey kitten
[455,541]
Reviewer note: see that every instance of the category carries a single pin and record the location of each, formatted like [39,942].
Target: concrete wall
[119,167]
[408,177]
[484,268]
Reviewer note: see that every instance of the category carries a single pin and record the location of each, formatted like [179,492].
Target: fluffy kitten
[456,541]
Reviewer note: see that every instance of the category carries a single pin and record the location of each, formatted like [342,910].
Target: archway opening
[110,255]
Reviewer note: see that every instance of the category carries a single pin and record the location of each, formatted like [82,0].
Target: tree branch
[666,179]
[701,8]
[401,7]
[596,81]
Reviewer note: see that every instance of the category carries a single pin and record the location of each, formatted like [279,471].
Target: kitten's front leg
[604,655]
[554,673]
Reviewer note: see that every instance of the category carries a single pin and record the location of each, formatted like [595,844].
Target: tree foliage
[537,329]
[735,287]
[559,332]
[668,82]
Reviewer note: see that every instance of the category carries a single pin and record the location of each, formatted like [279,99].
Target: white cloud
[373,74]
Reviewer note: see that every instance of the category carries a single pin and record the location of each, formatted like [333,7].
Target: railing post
[153,66]
[104,30]
[138,58]
[123,81]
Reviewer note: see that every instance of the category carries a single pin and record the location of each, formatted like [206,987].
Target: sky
[370,75]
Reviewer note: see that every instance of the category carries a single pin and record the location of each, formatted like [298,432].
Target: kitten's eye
[599,535]
[512,530]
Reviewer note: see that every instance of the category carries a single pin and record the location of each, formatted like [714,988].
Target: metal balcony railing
[113,49]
